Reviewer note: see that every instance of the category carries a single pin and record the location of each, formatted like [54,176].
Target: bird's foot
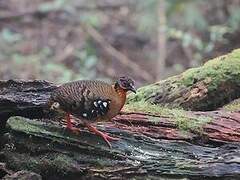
[108,138]
[70,126]
[105,137]
[74,130]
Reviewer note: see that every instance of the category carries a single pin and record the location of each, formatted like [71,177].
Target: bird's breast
[117,104]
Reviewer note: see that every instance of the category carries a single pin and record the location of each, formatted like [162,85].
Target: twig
[95,35]
[17,15]
[37,11]
[123,59]
[161,63]
[107,70]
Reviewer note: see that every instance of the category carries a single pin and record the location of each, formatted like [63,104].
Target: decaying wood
[150,146]
[24,175]
[4,171]
[23,98]
[200,89]
[54,153]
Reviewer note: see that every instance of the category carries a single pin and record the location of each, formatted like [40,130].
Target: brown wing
[86,99]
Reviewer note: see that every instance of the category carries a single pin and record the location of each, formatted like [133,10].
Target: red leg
[106,137]
[70,126]
[69,123]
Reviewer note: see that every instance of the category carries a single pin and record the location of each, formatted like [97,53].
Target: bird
[91,101]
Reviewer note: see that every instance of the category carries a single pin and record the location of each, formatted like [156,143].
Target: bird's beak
[133,89]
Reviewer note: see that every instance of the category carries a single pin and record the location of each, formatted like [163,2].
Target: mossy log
[208,87]
[146,150]
[155,141]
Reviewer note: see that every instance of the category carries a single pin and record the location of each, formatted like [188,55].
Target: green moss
[48,163]
[32,127]
[61,163]
[188,122]
[20,161]
[142,106]
[225,68]
[233,106]
[183,119]
[17,123]
[218,73]
[142,93]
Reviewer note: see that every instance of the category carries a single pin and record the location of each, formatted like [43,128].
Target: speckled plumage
[82,99]
[91,101]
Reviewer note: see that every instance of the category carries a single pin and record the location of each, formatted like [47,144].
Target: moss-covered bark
[233,106]
[208,87]
[146,149]
[155,141]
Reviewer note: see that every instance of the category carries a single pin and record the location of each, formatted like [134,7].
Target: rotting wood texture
[150,146]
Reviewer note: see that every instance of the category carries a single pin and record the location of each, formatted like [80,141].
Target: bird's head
[125,83]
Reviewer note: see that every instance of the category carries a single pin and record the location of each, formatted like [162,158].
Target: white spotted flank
[105,104]
[95,104]
[55,105]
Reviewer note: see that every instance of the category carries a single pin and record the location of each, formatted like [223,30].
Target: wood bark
[200,89]
[150,146]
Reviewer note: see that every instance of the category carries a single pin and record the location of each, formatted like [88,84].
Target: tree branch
[208,87]
[123,59]
[152,141]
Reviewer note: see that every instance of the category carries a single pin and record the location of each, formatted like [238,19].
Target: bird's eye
[124,83]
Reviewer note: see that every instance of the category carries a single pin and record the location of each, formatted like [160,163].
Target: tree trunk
[146,149]
[204,88]
[160,65]
[154,141]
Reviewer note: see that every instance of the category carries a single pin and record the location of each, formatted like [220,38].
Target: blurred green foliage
[52,5]
[9,36]
[185,20]
[188,23]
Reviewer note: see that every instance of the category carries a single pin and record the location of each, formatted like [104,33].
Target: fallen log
[23,98]
[143,151]
[151,145]
[155,141]
[146,149]
[23,175]
[205,88]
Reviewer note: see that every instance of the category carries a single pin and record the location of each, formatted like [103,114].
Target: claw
[106,137]
[70,126]
[69,123]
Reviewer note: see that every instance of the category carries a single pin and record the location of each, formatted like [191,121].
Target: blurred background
[63,40]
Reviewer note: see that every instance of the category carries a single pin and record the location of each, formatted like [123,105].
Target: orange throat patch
[122,95]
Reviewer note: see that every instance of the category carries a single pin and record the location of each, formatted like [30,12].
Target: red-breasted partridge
[92,101]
